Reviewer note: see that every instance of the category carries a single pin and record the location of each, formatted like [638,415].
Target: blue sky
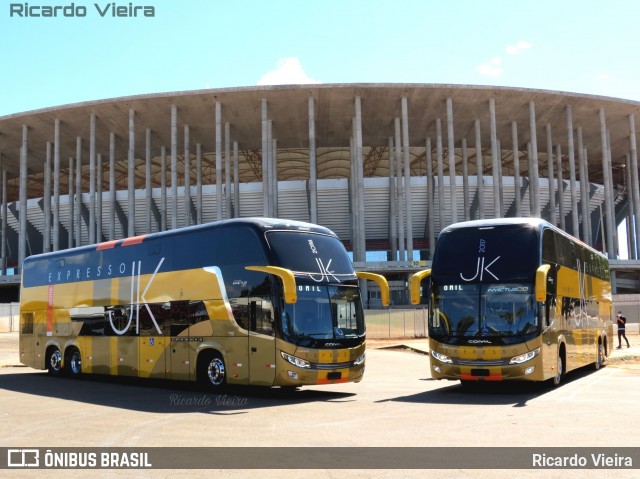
[579,46]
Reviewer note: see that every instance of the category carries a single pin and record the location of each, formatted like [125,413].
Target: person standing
[622,322]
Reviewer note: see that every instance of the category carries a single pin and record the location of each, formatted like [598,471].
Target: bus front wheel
[54,362]
[211,370]
[600,358]
[557,379]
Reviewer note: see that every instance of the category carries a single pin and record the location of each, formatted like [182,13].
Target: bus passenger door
[262,349]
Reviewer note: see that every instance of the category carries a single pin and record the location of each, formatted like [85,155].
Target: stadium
[385,166]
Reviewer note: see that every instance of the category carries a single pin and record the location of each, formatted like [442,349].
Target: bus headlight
[301,363]
[441,357]
[359,361]
[523,358]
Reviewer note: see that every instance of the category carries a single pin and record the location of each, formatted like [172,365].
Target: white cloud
[288,72]
[518,47]
[491,69]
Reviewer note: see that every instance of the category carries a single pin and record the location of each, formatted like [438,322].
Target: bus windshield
[323,313]
[483,310]
[320,257]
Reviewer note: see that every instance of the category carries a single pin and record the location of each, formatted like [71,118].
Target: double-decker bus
[514,299]
[250,301]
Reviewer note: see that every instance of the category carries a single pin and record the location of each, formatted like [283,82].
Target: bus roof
[537,223]
[258,223]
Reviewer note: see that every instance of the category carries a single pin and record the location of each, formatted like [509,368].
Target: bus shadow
[498,393]
[162,396]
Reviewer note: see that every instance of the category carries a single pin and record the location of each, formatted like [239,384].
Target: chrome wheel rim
[55,361]
[216,372]
[76,363]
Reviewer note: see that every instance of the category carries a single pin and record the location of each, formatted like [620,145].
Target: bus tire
[53,361]
[73,363]
[211,373]
[557,379]
[600,357]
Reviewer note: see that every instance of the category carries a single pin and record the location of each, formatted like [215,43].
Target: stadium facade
[386,166]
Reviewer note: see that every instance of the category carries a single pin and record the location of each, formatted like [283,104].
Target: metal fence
[9,317]
[396,323]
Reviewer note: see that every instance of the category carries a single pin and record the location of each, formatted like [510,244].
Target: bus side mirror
[382,283]
[414,284]
[288,280]
[541,282]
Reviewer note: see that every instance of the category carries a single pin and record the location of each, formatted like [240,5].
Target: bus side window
[161,314]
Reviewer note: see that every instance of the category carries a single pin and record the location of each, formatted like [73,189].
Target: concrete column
[393,215]
[402,245]
[3,248]
[313,167]
[631,238]
[584,188]
[274,176]
[516,168]
[360,184]
[550,167]
[99,235]
[534,186]
[199,183]
[265,160]
[112,186]
[635,186]
[407,175]
[56,185]
[187,176]
[353,197]
[227,169]
[131,167]
[92,178]
[560,188]
[612,212]
[572,176]
[163,188]
[430,210]
[78,208]
[46,200]
[270,179]
[174,167]
[147,183]
[71,198]
[479,170]
[22,232]
[589,240]
[440,160]
[608,194]
[497,207]
[465,181]
[500,182]
[219,161]
[236,181]
[452,162]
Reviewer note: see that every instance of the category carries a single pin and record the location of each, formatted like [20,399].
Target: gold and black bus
[249,301]
[514,299]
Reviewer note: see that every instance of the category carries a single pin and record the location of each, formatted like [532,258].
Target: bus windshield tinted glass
[323,258]
[324,313]
[483,310]
[496,254]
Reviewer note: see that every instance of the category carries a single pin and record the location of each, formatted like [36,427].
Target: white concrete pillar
[572,176]
[174,167]
[131,168]
[534,185]
[92,179]
[46,200]
[561,213]
[479,170]
[465,181]
[402,245]
[147,184]
[393,214]
[112,186]
[313,167]
[407,176]
[553,218]
[497,207]
[187,175]
[56,185]
[516,168]
[452,162]
[608,194]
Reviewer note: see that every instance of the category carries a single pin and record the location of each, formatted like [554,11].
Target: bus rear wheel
[211,371]
[54,362]
[600,358]
[73,363]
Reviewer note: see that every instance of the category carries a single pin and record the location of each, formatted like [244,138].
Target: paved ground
[397,404]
